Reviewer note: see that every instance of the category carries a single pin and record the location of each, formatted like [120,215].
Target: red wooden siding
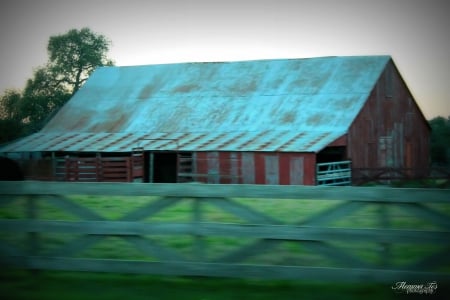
[201,167]
[342,141]
[256,167]
[390,130]
[109,169]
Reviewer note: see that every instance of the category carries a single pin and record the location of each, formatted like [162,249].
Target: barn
[309,121]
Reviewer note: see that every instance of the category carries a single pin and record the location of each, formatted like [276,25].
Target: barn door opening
[164,167]
[331,168]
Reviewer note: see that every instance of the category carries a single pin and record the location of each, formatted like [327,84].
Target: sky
[413,32]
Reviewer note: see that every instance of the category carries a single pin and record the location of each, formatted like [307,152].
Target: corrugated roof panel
[288,141]
[236,105]
[250,96]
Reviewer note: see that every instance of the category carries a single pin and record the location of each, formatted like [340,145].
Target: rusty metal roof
[266,105]
[285,141]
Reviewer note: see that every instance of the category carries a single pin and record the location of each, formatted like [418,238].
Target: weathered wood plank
[192,190]
[384,222]
[9,250]
[436,260]
[242,253]
[425,213]
[71,207]
[152,248]
[242,211]
[227,270]
[199,247]
[31,212]
[150,209]
[257,231]
[6,199]
[76,246]
[335,254]
[333,213]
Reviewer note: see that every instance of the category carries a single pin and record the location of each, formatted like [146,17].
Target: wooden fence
[99,169]
[325,245]
[84,169]
[383,175]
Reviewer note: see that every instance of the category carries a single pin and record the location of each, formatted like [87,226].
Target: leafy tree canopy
[440,140]
[73,56]
[9,105]
[42,96]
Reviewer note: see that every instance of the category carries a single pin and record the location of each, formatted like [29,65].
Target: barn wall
[339,142]
[34,165]
[81,167]
[256,168]
[390,130]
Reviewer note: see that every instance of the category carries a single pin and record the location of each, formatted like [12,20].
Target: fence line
[365,175]
[314,247]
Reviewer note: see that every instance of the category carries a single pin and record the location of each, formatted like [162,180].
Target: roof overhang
[267,141]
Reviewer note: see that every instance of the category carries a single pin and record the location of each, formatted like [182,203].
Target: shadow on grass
[72,285]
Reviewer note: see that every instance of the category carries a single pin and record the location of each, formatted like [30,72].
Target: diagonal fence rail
[273,232]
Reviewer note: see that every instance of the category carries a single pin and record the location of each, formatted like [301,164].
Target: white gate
[334,173]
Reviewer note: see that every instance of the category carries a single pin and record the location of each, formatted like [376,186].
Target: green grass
[76,286]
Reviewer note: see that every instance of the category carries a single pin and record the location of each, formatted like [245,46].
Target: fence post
[385,223]
[32,237]
[199,244]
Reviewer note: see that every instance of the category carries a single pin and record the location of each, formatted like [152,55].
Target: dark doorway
[10,170]
[164,167]
[331,154]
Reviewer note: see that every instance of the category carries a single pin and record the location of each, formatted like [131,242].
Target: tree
[10,105]
[43,95]
[75,55]
[10,116]
[440,140]
[72,58]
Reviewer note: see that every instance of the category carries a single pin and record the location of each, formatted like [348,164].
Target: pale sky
[414,32]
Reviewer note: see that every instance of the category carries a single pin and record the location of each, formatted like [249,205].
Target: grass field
[76,285]
[71,285]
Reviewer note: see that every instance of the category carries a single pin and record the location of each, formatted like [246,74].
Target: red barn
[285,121]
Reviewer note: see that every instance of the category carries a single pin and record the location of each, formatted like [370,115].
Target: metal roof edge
[272,140]
[249,60]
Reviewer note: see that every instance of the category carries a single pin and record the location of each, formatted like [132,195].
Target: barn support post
[98,167]
[150,167]
[54,164]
